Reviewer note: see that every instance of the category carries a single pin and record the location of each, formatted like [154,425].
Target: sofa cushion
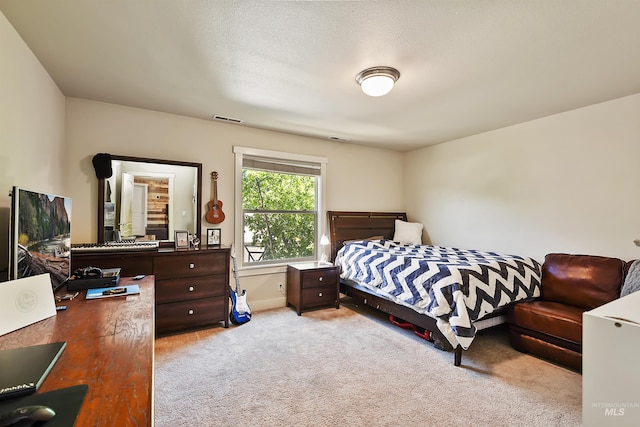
[585,281]
[549,318]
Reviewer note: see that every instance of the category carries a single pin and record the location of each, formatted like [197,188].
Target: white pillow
[408,232]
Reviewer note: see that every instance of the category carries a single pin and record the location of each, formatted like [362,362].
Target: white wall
[32,138]
[358,178]
[565,183]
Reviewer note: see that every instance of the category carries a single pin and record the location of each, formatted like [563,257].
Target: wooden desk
[109,348]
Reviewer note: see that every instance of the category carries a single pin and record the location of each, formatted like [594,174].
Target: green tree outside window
[279,213]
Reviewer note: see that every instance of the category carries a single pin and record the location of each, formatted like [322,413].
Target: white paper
[25,301]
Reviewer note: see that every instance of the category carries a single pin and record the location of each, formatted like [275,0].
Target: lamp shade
[324,241]
[377,81]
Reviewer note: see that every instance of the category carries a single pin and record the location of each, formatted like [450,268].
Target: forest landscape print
[42,235]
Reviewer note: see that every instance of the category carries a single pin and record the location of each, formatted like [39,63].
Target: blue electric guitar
[240,311]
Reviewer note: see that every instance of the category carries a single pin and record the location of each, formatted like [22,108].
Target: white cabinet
[610,358]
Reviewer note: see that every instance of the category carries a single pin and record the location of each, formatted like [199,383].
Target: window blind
[280,165]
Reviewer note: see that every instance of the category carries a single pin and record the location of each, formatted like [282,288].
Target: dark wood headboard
[360,225]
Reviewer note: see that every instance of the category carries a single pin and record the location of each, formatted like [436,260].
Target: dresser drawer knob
[191,312]
[191,288]
[320,279]
[319,294]
[192,265]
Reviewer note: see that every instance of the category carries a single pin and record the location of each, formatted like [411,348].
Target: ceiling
[466,66]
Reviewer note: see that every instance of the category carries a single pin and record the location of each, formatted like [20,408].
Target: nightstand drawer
[189,265]
[313,297]
[189,314]
[190,288]
[319,278]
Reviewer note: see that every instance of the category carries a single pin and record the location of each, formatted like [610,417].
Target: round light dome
[377,81]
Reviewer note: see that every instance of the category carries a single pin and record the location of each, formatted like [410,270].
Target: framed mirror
[149,199]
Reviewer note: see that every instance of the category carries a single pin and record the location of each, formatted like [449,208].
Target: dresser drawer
[190,314]
[129,264]
[190,264]
[190,288]
[313,297]
[319,278]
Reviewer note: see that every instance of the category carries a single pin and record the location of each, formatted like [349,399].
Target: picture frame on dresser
[182,239]
[214,236]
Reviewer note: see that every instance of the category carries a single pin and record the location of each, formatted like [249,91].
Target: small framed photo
[214,236]
[182,239]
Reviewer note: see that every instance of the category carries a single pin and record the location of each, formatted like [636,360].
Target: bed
[446,293]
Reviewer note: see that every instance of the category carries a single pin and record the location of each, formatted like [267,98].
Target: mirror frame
[101,189]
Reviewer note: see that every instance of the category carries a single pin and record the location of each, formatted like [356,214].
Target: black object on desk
[27,416]
[104,278]
[65,402]
[23,369]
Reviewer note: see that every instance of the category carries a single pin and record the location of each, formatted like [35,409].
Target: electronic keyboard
[121,245]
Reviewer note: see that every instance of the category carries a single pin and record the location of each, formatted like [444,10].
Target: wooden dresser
[192,287]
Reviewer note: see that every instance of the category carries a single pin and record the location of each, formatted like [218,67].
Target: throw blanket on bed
[454,286]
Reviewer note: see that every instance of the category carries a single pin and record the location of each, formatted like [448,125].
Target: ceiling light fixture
[377,81]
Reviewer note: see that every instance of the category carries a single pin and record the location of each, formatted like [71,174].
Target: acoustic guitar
[215,214]
[240,311]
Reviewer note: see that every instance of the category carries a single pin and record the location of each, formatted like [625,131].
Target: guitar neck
[235,274]
[214,179]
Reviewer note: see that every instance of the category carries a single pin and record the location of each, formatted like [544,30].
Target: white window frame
[239,153]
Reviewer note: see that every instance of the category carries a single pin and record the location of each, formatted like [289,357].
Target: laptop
[25,301]
[22,370]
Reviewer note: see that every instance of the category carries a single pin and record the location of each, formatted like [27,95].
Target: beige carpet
[341,367]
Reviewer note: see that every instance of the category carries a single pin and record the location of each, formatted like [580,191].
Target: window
[279,206]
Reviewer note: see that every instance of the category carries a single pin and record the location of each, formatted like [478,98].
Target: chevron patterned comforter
[454,286]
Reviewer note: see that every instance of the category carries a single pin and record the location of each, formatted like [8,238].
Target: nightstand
[312,284]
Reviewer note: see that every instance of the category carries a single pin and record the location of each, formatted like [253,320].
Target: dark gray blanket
[632,281]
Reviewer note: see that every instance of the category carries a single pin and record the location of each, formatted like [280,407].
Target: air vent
[335,138]
[226,119]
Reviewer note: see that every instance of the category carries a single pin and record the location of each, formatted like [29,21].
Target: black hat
[102,165]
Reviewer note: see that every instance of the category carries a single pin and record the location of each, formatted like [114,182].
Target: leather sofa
[551,326]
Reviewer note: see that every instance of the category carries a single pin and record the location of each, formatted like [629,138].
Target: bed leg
[457,359]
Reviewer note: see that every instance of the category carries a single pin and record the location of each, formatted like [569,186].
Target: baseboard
[267,304]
